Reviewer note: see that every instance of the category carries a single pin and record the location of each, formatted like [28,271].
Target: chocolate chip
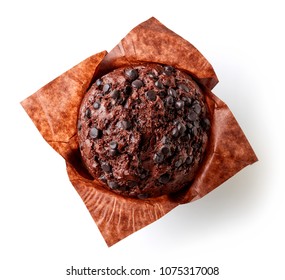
[106,88]
[181,128]
[113,145]
[189,160]
[99,82]
[143,196]
[194,131]
[132,74]
[187,100]
[115,94]
[164,178]
[183,87]
[189,125]
[159,84]
[142,173]
[192,116]
[150,95]
[88,113]
[169,100]
[179,105]
[113,153]
[106,167]
[196,123]
[165,140]
[137,84]
[103,179]
[94,132]
[175,132]
[165,150]
[152,75]
[113,185]
[172,151]
[128,90]
[206,123]
[178,163]
[168,70]
[143,176]
[125,124]
[172,92]
[197,146]
[197,108]
[96,105]
[158,158]
[162,94]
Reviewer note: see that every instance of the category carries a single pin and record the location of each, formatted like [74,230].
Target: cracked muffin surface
[143,130]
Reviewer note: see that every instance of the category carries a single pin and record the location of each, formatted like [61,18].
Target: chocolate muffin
[143,130]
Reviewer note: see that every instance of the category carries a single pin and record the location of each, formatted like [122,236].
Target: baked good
[55,107]
[143,130]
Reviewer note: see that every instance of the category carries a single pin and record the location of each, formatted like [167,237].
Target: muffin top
[143,130]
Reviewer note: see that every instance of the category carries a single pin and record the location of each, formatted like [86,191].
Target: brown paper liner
[54,109]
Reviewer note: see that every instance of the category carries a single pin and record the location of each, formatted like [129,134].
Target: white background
[239,227]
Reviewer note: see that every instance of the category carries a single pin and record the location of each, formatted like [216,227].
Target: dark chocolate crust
[143,130]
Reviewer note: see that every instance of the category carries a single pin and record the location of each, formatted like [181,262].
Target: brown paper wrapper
[54,109]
